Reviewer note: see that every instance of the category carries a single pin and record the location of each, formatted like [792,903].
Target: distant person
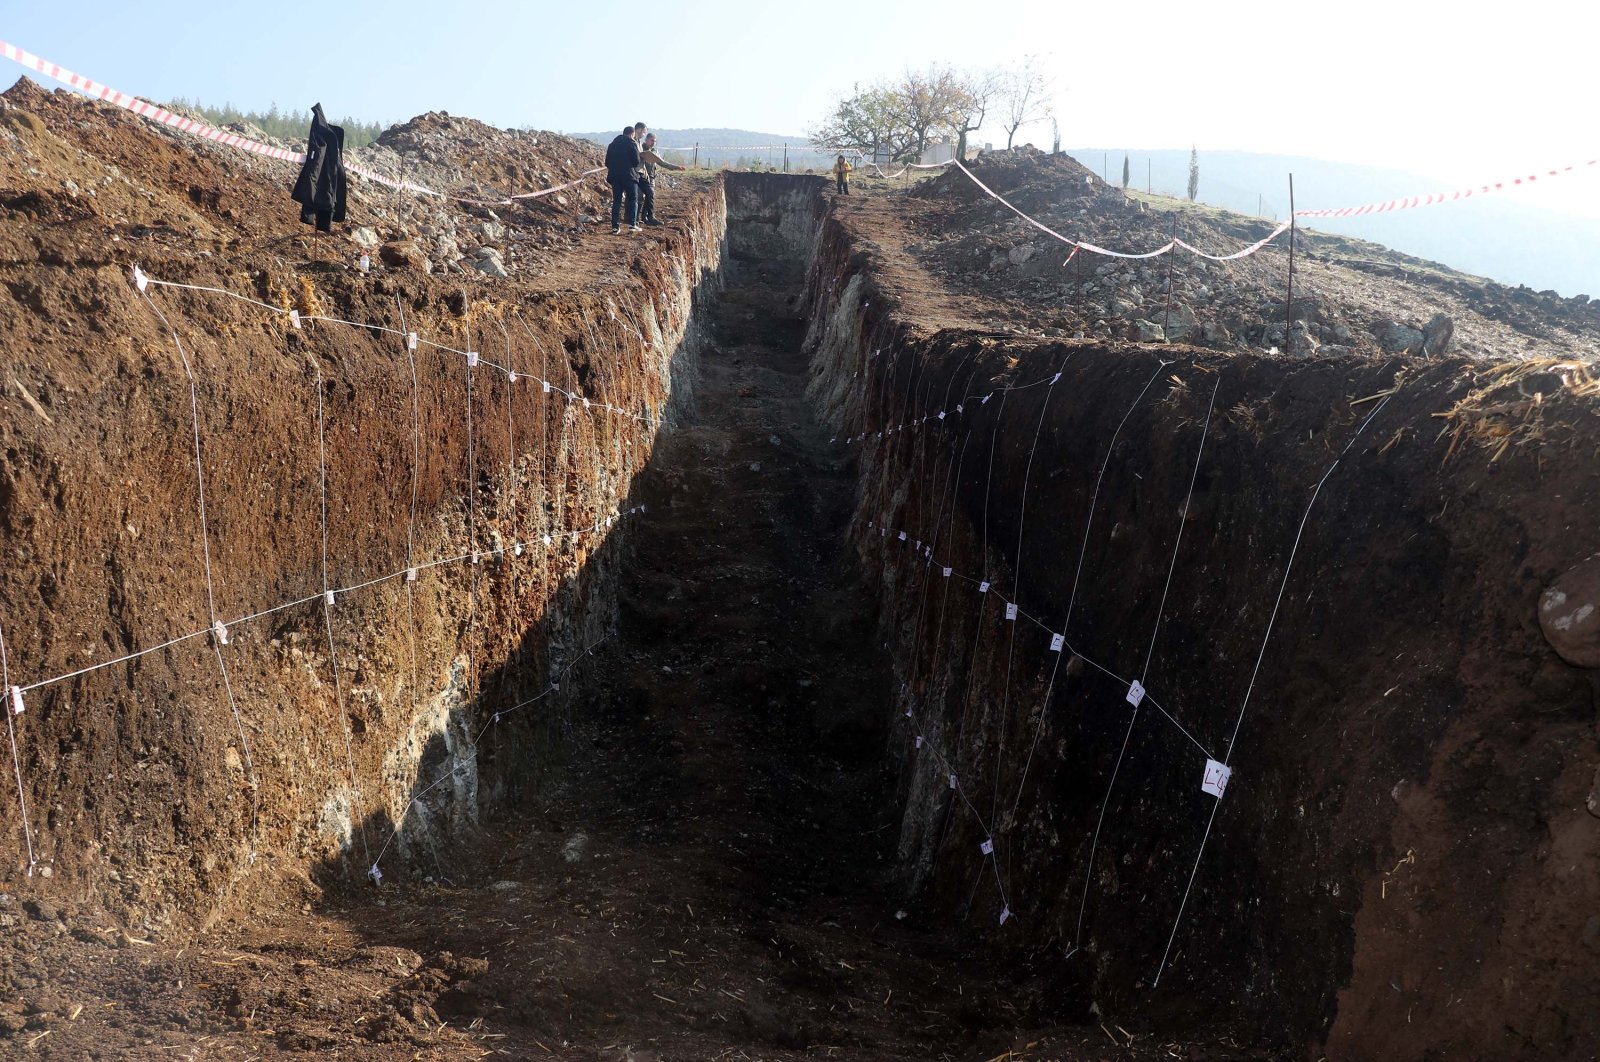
[841,176]
[622,174]
[647,181]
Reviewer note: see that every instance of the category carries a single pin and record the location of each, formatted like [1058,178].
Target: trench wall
[147,796]
[1402,865]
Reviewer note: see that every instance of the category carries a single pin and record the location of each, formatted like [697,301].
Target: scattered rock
[1301,342]
[488,260]
[1021,253]
[1593,800]
[1182,320]
[42,910]
[364,238]
[1569,614]
[1148,332]
[1438,335]
[1396,338]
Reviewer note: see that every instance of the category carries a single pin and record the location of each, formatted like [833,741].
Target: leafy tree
[863,123]
[1025,93]
[926,104]
[1194,173]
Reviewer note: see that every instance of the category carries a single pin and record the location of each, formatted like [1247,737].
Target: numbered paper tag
[917,545]
[1135,693]
[517,549]
[375,874]
[219,629]
[952,781]
[919,741]
[1215,780]
[902,536]
[908,712]
[946,572]
[941,414]
[1005,914]
[294,318]
[366,263]
[327,598]
[472,359]
[411,341]
[140,281]
[547,540]
[1011,612]
[1054,379]
[511,377]
[983,588]
[546,386]
[411,575]
[1057,641]
[16,700]
[987,847]
[960,408]
[986,398]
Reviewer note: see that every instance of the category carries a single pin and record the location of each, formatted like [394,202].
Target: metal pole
[1172,253]
[1149,182]
[1288,304]
[1105,168]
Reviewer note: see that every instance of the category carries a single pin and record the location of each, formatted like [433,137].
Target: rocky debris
[1592,804]
[364,237]
[1021,253]
[488,260]
[1148,332]
[1569,614]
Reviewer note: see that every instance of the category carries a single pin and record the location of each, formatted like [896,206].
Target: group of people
[631,162]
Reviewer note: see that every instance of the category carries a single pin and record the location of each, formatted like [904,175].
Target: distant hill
[708,138]
[1495,237]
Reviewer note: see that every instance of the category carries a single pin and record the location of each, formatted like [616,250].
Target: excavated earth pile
[763,689]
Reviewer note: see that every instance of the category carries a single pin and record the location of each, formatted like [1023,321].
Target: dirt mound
[1349,296]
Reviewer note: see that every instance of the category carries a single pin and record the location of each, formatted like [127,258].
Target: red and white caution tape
[146,109]
[1442,197]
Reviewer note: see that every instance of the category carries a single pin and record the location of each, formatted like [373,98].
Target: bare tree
[970,101]
[1025,93]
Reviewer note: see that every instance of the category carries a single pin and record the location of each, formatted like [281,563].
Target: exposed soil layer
[1403,865]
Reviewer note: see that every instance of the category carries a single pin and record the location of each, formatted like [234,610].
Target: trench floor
[711,876]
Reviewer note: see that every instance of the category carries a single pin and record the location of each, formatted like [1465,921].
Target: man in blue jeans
[622,174]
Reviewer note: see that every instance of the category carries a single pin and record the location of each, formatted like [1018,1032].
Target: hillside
[1497,237]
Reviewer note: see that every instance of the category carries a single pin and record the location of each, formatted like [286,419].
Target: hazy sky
[1437,89]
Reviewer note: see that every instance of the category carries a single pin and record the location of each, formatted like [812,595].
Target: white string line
[1266,638]
[16,759]
[1066,642]
[552,687]
[294,315]
[1094,499]
[327,617]
[1133,719]
[1016,571]
[472,542]
[411,521]
[211,602]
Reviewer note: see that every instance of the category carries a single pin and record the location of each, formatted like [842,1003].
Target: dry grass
[1508,409]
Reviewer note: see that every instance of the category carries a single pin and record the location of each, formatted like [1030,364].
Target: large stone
[1439,334]
[403,254]
[1148,332]
[1301,341]
[1181,321]
[1021,253]
[488,260]
[1396,338]
[1569,614]
[364,238]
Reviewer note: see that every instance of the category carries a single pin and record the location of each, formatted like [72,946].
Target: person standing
[841,176]
[622,174]
[647,180]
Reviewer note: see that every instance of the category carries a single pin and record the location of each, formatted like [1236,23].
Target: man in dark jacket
[622,166]
[320,188]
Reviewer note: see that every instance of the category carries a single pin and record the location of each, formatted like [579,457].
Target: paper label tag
[547,540]
[960,408]
[908,713]
[366,263]
[16,700]
[919,741]
[941,414]
[987,847]
[472,359]
[946,573]
[294,318]
[1054,379]
[546,386]
[902,536]
[983,587]
[917,545]
[140,281]
[1011,611]
[556,685]
[221,631]
[511,377]
[517,549]
[411,341]
[411,575]
[1215,780]
[986,398]
[1056,642]
[1005,914]
[1135,693]
[952,781]
[375,874]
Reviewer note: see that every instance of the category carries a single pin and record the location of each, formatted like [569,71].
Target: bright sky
[1458,95]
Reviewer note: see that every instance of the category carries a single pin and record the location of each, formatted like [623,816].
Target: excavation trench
[813,737]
